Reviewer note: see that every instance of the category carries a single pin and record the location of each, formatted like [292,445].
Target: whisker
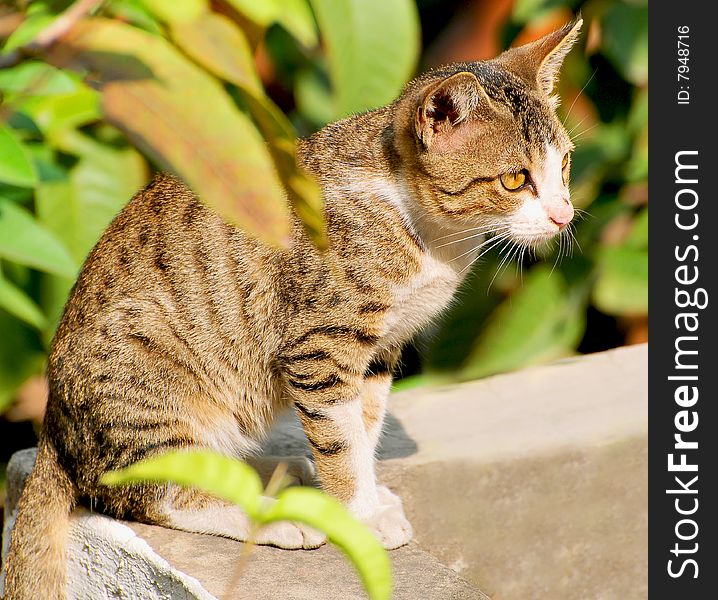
[496,241]
[580,134]
[582,215]
[475,235]
[585,85]
[470,229]
[558,255]
[498,269]
[520,261]
[575,127]
[475,248]
[575,239]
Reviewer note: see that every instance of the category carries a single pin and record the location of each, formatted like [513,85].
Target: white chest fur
[419,300]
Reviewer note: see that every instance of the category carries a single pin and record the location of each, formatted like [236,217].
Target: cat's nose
[560,212]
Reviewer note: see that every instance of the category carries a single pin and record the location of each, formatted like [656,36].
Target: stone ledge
[529,485]
[117,559]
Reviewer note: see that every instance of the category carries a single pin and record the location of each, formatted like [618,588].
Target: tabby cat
[184,332]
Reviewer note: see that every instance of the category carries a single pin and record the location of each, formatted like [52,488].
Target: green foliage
[15,165]
[511,317]
[25,241]
[539,322]
[237,482]
[357,33]
[144,84]
[622,284]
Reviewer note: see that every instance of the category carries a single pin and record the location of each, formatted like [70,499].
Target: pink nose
[560,212]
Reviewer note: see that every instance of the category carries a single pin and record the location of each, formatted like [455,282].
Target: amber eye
[564,167]
[513,181]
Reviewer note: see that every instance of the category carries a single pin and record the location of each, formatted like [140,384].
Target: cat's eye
[514,181]
[565,167]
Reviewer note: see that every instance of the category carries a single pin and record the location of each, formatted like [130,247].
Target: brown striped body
[184,332]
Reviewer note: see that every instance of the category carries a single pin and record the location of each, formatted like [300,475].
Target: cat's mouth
[536,236]
[535,224]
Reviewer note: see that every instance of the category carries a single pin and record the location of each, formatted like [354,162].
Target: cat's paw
[387,497]
[290,535]
[391,526]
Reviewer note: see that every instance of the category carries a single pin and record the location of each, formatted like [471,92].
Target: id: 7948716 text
[683,55]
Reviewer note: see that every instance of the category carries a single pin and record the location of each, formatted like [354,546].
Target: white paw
[290,535]
[390,526]
[387,497]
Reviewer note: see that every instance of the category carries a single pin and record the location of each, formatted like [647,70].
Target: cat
[184,332]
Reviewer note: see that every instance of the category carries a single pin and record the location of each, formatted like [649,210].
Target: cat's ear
[539,62]
[445,106]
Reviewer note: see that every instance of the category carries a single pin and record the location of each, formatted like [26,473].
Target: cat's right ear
[446,106]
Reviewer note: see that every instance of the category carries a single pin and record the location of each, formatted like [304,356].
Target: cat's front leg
[346,469]
[343,437]
[374,395]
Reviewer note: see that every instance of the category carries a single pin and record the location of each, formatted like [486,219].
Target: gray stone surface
[318,574]
[531,484]
[527,485]
[133,561]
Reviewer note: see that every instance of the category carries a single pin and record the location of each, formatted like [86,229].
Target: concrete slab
[527,485]
[531,484]
[125,560]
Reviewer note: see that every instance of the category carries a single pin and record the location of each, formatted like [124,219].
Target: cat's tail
[36,560]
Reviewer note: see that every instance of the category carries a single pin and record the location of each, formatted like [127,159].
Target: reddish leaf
[182,117]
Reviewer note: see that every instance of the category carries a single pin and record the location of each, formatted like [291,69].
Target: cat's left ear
[446,106]
[539,62]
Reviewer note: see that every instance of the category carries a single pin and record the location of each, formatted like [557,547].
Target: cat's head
[484,143]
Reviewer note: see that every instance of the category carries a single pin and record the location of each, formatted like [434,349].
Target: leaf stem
[242,561]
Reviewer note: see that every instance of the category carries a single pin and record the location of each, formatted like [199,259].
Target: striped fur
[183,332]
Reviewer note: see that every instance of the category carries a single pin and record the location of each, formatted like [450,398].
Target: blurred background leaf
[372,47]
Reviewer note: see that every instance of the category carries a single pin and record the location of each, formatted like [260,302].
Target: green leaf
[314,96]
[237,482]
[135,12]
[372,47]
[28,30]
[15,165]
[420,380]
[218,45]
[294,15]
[303,190]
[537,323]
[622,284]
[638,238]
[184,119]
[36,78]
[625,40]
[224,477]
[25,241]
[19,304]
[328,515]
[79,208]
[20,356]
[531,10]
[172,11]
[63,111]
[262,13]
